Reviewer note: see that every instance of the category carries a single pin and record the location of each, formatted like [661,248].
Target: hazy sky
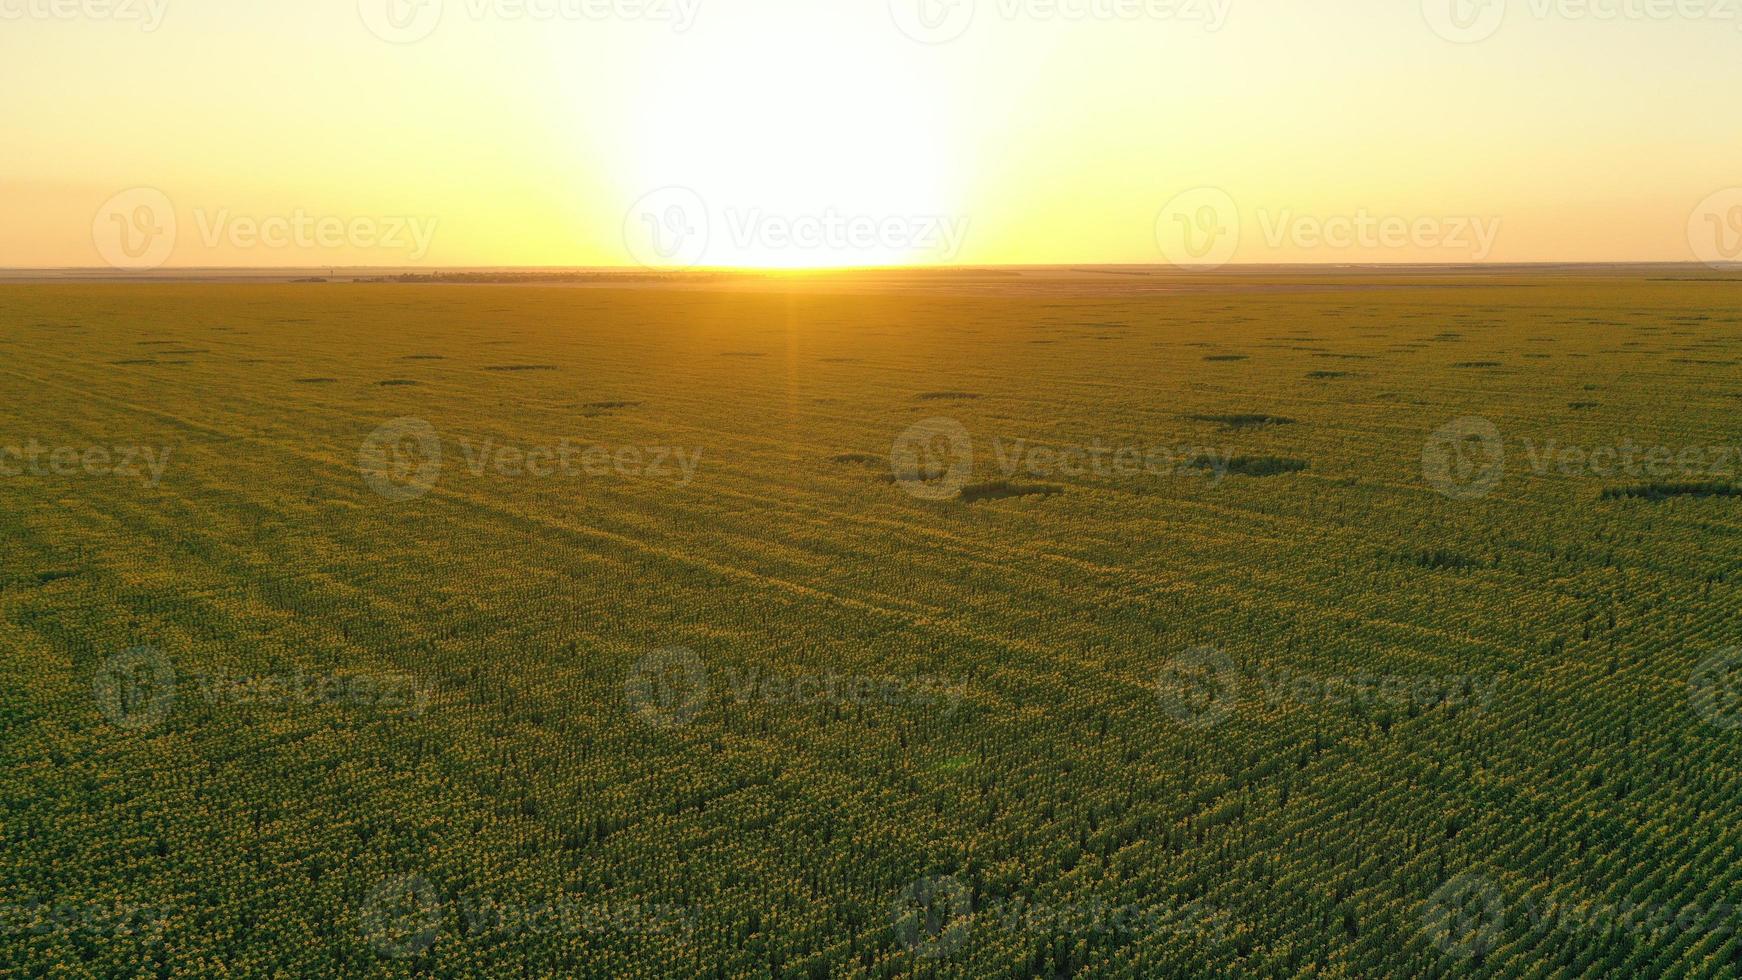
[808,132]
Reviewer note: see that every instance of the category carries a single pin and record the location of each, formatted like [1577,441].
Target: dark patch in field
[1255,465]
[1226,357]
[158,343]
[1005,490]
[316,381]
[867,459]
[55,575]
[423,357]
[1705,362]
[1537,357]
[136,360]
[1581,405]
[1477,364]
[1323,375]
[521,367]
[1663,491]
[609,406]
[1243,421]
[395,383]
[945,396]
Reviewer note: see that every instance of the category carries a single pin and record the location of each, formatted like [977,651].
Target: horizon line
[801,270]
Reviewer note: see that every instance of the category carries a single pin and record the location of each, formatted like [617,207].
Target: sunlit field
[1015,623]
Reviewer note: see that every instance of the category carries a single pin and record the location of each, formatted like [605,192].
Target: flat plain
[1332,624]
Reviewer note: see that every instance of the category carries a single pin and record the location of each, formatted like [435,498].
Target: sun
[793,157]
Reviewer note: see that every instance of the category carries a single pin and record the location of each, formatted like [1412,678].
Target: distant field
[1272,624]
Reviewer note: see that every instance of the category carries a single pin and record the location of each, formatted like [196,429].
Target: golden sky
[412,133]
